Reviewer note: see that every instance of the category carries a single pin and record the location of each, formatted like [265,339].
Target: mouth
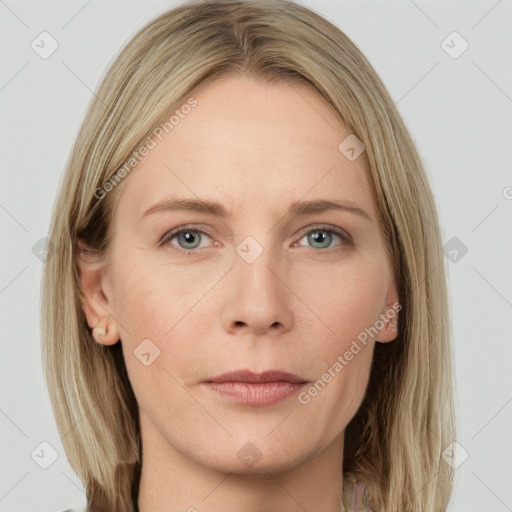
[259,389]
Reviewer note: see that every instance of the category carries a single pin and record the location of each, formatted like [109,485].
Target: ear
[93,298]
[389,317]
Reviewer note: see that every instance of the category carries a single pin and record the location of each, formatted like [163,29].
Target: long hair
[395,441]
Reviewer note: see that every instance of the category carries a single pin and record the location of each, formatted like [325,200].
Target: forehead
[246,143]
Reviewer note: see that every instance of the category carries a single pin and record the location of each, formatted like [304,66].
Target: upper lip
[248,376]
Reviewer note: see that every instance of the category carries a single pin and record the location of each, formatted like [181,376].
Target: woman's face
[268,276]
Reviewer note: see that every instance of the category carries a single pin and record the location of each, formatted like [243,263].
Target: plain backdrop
[457,104]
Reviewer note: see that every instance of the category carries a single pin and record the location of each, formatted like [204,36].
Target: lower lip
[264,393]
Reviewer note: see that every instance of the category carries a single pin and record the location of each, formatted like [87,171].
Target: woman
[246,306]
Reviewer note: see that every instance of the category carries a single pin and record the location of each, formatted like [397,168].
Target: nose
[258,301]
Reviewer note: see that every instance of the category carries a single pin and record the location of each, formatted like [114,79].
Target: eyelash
[345,239]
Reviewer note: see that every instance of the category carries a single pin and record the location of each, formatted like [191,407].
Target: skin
[255,149]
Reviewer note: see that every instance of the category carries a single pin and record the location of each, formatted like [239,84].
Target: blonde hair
[395,441]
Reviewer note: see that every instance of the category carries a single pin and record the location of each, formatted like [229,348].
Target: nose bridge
[256,266]
[257,300]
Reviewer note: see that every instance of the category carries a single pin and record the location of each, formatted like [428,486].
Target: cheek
[161,311]
[345,301]
[155,313]
[332,302]
[151,299]
[346,386]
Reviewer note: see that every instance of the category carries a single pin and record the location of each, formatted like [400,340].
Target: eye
[187,238]
[318,237]
[322,237]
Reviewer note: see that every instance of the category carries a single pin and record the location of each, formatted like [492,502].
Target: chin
[251,459]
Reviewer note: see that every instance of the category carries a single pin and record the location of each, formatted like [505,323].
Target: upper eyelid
[171,233]
[326,227]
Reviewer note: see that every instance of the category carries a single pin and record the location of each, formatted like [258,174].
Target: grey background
[459,112]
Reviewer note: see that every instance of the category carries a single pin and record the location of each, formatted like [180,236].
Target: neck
[173,482]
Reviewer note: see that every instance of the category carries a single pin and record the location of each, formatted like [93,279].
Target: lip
[249,388]
[257,378]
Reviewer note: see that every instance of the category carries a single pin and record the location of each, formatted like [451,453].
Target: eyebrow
[297,209]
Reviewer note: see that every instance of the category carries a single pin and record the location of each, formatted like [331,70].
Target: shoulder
[354,497]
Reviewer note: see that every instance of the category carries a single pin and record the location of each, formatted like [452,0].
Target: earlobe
[94,302]
[389,317]
[105,332]
[390,330]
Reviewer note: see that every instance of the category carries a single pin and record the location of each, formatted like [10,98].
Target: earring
[100,331]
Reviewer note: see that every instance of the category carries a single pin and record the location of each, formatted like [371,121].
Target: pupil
[188,237]
[319,237]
